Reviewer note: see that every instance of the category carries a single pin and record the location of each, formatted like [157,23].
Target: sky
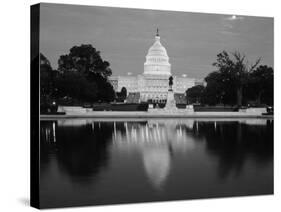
[123,36]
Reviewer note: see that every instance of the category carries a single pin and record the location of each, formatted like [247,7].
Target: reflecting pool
[88,162]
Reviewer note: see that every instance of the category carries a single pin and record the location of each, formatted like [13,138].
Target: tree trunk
[239,95]
[259,98]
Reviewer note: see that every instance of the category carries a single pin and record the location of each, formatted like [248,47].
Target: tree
[261,85]
[122,95]
[84,59]
[47,75]
[92,74]
[74,85]
[195,94]
[215,91]
[235,71]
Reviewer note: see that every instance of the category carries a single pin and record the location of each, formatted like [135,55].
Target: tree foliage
[84,75]
[215,90]
[75,85]
[195,94]
[84,59]
[232,76]
[260,86]
[47,75]
[122,95]
[235,82]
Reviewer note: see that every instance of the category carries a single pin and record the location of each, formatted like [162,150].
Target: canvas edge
[34,105]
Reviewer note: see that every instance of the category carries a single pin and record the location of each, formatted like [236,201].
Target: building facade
[153,83]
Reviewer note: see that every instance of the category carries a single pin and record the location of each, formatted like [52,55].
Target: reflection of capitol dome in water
[156,141]
[157,60]
[157,162]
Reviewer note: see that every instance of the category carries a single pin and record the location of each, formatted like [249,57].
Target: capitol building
[153,83]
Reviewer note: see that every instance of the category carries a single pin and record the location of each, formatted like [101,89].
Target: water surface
[87,162]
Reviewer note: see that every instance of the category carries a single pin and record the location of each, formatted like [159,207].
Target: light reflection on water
[117,161]
[156,142]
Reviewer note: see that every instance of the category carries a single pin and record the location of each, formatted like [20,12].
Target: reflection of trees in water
[81,151]
[233,143]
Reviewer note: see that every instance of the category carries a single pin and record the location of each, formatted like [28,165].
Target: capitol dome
[157,60]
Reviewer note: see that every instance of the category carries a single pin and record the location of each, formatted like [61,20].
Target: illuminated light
[54,131]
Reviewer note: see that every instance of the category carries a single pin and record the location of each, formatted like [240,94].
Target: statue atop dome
[157,33]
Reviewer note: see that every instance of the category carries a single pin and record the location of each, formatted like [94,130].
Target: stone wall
[254,110]
[74,110]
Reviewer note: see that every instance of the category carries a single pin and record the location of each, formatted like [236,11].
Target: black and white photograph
[141,105]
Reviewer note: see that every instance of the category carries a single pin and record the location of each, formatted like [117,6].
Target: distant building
[153,84]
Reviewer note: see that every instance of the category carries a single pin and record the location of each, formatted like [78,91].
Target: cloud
[229,32]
